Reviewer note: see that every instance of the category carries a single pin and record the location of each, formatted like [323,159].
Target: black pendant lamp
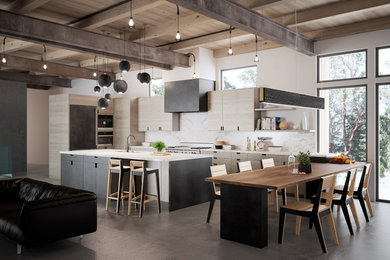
[96,89]
[107,96]
[3,59]
[105,80]
[120,86]
[103,103]
[124,65]
[144,77]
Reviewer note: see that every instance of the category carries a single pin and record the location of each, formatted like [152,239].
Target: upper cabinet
[232,110]
[151,115]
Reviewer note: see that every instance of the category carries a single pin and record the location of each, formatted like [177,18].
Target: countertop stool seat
[116,167]
[137,168]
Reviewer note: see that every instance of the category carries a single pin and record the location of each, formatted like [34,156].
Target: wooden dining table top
[280,177]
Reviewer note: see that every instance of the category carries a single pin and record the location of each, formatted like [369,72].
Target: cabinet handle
[159,128]
[238,159]
[238,153]
[215,158]
[238,128]
[147,128]
[71,162]
[221,127]
[95,165]
[96,157]
[215,152]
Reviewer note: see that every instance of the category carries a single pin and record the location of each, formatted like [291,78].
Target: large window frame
[377,146]
[318,112]
[336,54]
[236,68]
[150,87]
[377,61]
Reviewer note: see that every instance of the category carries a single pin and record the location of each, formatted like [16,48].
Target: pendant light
[178,24]
[103,103]
[3,59]
[189,54]
[105,79]
[120,86]
[144,77]
[96,89]
[107,96]
[256,59]
[230,51]
[124,65]
[44,57]
[131,21]
[94,66]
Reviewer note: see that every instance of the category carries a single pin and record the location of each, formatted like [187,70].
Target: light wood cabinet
[126,122]
[151,115]
[232,110]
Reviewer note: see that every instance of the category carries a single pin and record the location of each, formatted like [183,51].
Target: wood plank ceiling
[316,19]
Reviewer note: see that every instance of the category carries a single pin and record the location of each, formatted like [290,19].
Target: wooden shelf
[289,130]
[274,109]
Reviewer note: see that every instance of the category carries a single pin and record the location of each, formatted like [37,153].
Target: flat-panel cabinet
[72,167]
[151,115]
[232,110]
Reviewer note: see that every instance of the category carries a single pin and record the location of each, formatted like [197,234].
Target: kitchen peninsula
[181,175]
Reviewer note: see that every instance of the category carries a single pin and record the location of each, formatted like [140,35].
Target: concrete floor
[184,234]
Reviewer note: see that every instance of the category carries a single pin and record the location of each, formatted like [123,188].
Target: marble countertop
[146,156]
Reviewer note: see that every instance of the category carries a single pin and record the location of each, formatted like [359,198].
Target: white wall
[37,126]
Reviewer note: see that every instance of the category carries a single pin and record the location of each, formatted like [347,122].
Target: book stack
[268,123]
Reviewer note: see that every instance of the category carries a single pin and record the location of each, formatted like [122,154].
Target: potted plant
[159,145]
[304,162]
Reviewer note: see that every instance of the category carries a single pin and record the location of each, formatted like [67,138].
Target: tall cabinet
[151,115]
[232,110]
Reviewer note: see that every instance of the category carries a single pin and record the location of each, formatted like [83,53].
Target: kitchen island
[181,175]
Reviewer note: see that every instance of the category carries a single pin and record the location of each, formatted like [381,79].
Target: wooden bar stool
[216,170]
[137,168]
[115,166]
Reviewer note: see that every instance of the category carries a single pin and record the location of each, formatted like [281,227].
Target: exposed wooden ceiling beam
[25,6]
[52,68]
[38,87]
[248,20]
[61,36]
[36,80]
[191,20]
[16,45]
[118,13]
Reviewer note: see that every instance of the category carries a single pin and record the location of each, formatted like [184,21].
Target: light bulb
[94,74]
[194,75]
[144,83]
[131,22]
[121,78]
[3,60]
[230,51]
[120,93]
[256,58]
[124,71]
[178,35]
[45,66]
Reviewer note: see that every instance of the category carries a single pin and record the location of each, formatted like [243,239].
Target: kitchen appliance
[189,148]
[219,144]
[82,127]
[105,131]
[187,95]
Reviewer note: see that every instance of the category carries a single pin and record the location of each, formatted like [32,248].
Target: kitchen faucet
[128,142]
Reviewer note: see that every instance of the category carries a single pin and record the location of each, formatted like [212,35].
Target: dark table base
[244,215]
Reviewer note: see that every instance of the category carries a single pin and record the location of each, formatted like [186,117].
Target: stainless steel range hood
[187,95]
[279,98]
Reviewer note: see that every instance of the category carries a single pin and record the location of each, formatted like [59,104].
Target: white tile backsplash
[193,128]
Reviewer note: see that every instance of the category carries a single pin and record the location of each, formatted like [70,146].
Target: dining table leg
[244,215]
[284,197]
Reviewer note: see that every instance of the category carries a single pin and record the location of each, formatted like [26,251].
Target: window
[239,78]
[341,66]
[383,61]
[343,122]
[156,87]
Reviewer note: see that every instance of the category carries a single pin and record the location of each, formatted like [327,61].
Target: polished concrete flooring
[184,234]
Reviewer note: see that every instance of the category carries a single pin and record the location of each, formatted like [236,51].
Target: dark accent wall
[13,121]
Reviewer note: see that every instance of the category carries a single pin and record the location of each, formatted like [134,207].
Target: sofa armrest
[49,220]
[9,189]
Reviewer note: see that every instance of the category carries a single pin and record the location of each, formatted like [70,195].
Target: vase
[304,168]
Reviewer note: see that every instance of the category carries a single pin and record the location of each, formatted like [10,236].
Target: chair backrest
[244,166]
[217,170]
[324,192]
[114,163]
[367,175]
[266,163]
[137,165]
[349,185]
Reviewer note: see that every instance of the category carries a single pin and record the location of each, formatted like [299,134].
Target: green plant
[159,145]
[304,158]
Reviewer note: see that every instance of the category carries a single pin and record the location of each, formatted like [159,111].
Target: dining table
[244,198]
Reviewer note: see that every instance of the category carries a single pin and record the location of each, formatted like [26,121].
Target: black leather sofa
[34,212]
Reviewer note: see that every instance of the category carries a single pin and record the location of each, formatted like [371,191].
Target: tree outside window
[156,87]
[239,78]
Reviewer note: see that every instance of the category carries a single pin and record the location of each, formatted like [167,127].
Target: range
[189,148]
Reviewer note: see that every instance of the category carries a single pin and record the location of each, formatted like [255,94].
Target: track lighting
[230,51]
[178,24]
[131,21]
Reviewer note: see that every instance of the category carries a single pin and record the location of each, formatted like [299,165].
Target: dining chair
[313,210]
[244,166]
[266,163]
[361,192]
[216,170]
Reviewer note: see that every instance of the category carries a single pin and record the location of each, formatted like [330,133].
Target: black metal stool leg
[143,182]
[158,191]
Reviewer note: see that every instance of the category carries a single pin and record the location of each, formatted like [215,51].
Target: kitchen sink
[131,151]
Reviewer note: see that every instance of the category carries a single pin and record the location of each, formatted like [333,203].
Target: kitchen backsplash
[193,128]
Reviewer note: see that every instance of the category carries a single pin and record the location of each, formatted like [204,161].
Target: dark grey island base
[181,176]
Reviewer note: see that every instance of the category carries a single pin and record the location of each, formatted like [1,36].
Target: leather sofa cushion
[9,225]
[30,190]
[6,207]
[8,190]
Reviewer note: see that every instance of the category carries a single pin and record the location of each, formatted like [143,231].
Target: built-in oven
[105,131]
